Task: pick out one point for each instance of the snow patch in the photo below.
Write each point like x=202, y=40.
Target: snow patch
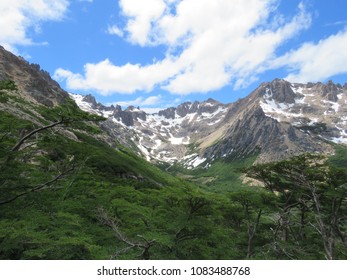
x=298, y=90
x=179, y=141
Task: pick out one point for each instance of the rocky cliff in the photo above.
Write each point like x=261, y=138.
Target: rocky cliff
x=33, y=83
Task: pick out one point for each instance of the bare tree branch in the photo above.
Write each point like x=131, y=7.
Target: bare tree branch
x=17, y=146
x=144, y=246
x=39, y=187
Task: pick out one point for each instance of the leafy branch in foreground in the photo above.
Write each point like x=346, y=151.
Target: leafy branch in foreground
x=41, y=186
x=21, y=141
x=25, y=166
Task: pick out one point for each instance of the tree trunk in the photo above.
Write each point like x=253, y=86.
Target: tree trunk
x=251, y=234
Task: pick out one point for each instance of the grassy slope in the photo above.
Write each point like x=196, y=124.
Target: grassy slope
x=222, y=176
x=340, y=157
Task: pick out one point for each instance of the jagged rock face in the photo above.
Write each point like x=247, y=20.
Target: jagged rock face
x=136, y=113
x=281, y=92
x=277, y=120
x=318, y=109
x=91, y=100
x=182, y=110
x=328, y=91
x=168, y=113
x=32, y=82
x=126, y=117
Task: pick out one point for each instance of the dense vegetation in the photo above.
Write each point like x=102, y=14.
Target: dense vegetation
x=65, y=194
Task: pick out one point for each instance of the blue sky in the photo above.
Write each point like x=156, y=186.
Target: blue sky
x=160, y=53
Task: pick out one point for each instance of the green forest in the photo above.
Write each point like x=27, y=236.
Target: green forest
x=65, y=193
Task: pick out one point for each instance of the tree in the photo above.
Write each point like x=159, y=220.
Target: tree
x=307, y=184
x=254, y=205
x=25, y=167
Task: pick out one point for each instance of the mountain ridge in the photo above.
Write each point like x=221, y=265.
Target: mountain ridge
x=279, y=119
x=34, y=84
x=71, y=190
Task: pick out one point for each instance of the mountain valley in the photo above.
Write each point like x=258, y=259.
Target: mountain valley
x=81, y=180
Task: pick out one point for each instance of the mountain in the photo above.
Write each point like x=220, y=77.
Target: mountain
x=277, y=120
x=71, y=186
x=31, y=100
x=34, y=84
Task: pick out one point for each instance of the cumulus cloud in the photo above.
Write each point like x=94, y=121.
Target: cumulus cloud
x=152, y=104
x=19, y=16
x=108, y=78
x=317, y=61
x=209, y=44
x=141, y=101
x=141, y=15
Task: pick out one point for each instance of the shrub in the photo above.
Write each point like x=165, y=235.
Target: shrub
x=8, y=84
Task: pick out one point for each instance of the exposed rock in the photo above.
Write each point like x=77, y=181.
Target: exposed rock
x=328, y=91
x=183, y=109
x=276, y=121
x=32, y=82
x=127, y=118
x=136, y=113
x=282, y=91
x=168, y=113
x=91, y=99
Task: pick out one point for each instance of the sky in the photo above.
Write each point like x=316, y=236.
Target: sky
x=160, y=53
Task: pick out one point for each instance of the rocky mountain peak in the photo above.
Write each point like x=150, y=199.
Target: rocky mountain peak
x=281, y=91
x=136, y=113
x=328, y=91
x=182, y=110
x=279, y=119
x=90, y=99
x=212, y=101
x=168, y=113
x=33, y=83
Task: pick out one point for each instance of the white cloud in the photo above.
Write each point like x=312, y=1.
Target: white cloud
x=18, y=16
x=209, y=44
x=151, y=110
x=115, y=30
x=340, y=22
x=141, y=15
x=151, y=104
x=108, y=78
x=316, y=62
x=141, y=101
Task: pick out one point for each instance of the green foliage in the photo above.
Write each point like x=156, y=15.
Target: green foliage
x=196, y=214
x=339, y=159
x=3, y=97
x=224, y=175
x=312, y=204
x=72, y=115
x=7, y=85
